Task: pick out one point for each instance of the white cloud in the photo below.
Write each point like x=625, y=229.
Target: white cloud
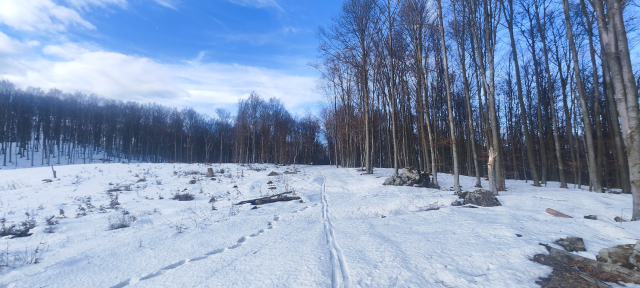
x=10, y=46
x=167, y=3
x=85, y=4
x=32, y=15
x=67, y=50
x=258, y=3
x=204, y=86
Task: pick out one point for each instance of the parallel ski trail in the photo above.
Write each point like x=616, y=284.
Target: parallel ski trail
x=339, y=266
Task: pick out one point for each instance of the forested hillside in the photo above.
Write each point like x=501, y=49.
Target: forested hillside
x=63, y=128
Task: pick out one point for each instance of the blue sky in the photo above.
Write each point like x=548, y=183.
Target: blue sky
x=201, y=54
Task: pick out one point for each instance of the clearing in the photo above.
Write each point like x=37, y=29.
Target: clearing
x=347, y=229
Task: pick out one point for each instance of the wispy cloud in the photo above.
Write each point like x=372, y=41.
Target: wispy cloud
x=172, y=4
x=10, y=46
x=42, y=15
x=86, y=4
x=194, y=83
x=258, y=3
x=261, y=38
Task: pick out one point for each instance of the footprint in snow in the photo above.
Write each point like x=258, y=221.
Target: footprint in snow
x=239, y=243
x=151, y=275
x=174, y=265
x=197, y=258
x=217, y=251
x=122, y=284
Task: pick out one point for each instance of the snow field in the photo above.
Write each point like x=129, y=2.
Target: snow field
x=350, y=231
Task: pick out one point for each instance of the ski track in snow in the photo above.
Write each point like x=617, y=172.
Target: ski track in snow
x=339, y=266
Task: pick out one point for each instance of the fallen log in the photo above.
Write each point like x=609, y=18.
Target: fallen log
x=557, y=214
x=270, y=199
x=570, y=259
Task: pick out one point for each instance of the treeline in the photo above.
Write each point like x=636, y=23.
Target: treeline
x=65, y=128
x=541, y=90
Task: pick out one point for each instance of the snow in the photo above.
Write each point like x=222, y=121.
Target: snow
x=351, y=231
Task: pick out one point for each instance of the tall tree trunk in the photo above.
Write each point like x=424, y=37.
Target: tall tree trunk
x=392, y=88
x=596, y=90
x=430, y=132
x=454, y=148
x=621, y=157
x=489, y=32
x=613, y=32
x=536, y=73
x=594, y=178
x=531, y=154
x=550, y=88
x=467, y=97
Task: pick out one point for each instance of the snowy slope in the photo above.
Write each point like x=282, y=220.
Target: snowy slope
x=350, y=231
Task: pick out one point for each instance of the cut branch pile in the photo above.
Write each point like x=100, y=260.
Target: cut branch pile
x=270, y=199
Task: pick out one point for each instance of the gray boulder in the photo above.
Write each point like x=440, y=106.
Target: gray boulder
x=572, y=244
x=408, y=177
x=480, y=197
x=627, y=256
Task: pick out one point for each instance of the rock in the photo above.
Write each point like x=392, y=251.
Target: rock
x=626, y=256
x=273, y=173
x=634, y=259
x=618, y=219
x=408, y=177
x=192, y=181
x=603, y=271
x=572, y=244
x=480, y=197
x=456, y=202
x=592, y=217
x=47, y=180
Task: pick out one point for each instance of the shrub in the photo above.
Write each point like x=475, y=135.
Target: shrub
x=51, y=220
x=186, y=196
x=123, y=221
x=81, y=211
x=113, y=202
x=17, y=231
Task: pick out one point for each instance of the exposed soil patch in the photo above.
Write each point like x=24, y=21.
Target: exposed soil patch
x=574, y=275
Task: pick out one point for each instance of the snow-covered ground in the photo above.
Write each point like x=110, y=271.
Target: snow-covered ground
x=350, y=231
